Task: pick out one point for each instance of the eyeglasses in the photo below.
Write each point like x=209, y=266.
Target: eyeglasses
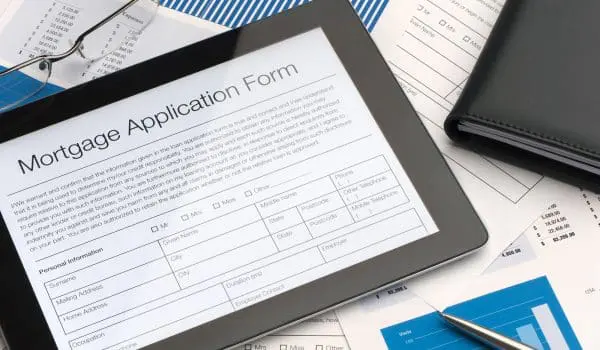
x=104, y=38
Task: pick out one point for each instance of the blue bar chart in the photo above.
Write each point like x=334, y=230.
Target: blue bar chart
x=528, y=312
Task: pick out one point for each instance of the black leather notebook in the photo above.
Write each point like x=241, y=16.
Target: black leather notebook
x=533, y=97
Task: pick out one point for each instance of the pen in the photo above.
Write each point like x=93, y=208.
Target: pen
x=484, y=335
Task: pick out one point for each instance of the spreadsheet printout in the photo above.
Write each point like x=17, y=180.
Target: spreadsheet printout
x=31, y=28
x=28, y=28
x=203, y=196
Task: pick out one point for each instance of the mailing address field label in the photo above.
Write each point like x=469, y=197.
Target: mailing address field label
x=158, y=213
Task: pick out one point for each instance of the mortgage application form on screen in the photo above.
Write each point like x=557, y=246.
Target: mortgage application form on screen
x=163, y=211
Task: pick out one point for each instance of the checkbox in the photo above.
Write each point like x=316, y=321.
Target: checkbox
x=154, y=229
x=248, y=193
x=282, y=347
x=443, y=23
x=185, y=217
x=319, y=347
x=248, y=347
x=216, y=205
x=466, y=38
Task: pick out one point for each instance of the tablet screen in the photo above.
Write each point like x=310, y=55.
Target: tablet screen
x=165, y=210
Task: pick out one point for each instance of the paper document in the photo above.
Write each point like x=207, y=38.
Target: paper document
x=30, y=28
x=543, y=290
x=320, y=333
x=432, y=60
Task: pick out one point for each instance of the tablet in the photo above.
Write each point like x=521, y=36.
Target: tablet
x=220, y=192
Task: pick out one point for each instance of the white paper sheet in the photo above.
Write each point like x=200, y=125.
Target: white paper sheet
x=320, y=333
x=26, y=31
x=432, y=60
x=560, y=246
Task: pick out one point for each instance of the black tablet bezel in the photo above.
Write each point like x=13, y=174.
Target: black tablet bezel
x=461, y=230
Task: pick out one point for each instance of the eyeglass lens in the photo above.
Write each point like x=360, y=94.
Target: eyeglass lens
x=19, y=86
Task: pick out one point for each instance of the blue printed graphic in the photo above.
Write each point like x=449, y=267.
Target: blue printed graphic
x=528, y=312
x=235, y=13
x=18, y=85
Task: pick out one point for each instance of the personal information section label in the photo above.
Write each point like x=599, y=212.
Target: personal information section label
x=161, y=212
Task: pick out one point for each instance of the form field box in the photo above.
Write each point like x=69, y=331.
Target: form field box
x=428, y=76
x=428, y=103
x=369, y=187
x=292, y=236
x=209, y=229
x=103, y=270
x=217, y=246
x=226, y=262
x=433, y=61
x=360, y=172
x=119, y=303
x=378, y=203
x=111, y=286
x=370, y=235
x=283, y=220
x=296, y=196
x=205, y=305
x=455, y=54
x=273, y=273
x=329, y=222
x=320, y=206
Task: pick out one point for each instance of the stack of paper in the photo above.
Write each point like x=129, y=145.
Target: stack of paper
x=431, y=53
x=543, y=290
x=432, y=61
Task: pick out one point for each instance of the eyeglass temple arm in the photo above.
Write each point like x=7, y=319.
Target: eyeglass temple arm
x=75, y=47
x=22, y=65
